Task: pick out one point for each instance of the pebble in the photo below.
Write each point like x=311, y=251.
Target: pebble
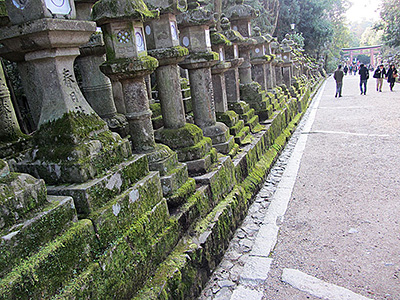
x=226, y=283
x=353, y=230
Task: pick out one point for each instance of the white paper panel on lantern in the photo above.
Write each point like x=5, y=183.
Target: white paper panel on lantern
x=59, y=7
x=208, y=40
x=235, y=51
x=174, y=31
x=140, y=44
x=221, y=55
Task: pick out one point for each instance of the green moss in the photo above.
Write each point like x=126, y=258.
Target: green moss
x=129, y=66
x=106, y=10
x=41, y=275
x=115, y=218
x=170, y=52
x=155, y=109
x=182, y=194
x=54, y=218
x=229, y=118
x=218, y=38
x=204, y=56
x=186, y=136
x=19, y=195
x=197, y=151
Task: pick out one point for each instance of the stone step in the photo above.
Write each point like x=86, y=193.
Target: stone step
x=20, y=194
x=248, y=115
x=234, y=130
x=182, y=194
x=95, y=193
x=43, y=274
x=126, y=265
x=112, y=220
x=163, y=159
x=230, y=118
x=252, y=123
x=240, y=137
x=186, y=270
x=174, y=180
x=195, y=152
x=25, y=239
x=180, y=275
x=202, y=165
x=225, y=147
x=220, y=180
x=240, y=107
x=198, y=205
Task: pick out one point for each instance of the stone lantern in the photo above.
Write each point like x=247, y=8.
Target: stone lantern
x=163, y=42
x=240, y=16
x=232, y=56
x=230, y=118
x=232, y=79
x=72, y=140
x=276, y=63
x=287, y=61
x=128, y=62
x=218, y=43
x=268, y=66
x=259, y=59
x=96, y=87
x=195, y=35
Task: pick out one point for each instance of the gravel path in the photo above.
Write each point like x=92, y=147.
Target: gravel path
x=339, y=178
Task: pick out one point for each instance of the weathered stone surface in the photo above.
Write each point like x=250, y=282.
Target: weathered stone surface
x=19, y=195
x=93, y=194
x=24, y=239
x=9, y=128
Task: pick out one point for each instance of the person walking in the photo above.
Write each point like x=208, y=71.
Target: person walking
x=345, y=69
x=379, y=74
x=391, y=76
x=364, y=75
x=338, y=76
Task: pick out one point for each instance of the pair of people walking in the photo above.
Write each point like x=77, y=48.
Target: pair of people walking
x=339, y=74
x=391, y=76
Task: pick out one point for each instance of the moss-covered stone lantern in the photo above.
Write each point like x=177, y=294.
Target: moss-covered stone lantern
x=259, y=59
x=195, y=35
x=72, y=140
x=252, y=92
x=128, y=62
x=96, y=87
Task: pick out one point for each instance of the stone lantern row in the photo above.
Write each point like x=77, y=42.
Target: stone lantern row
x=57, y=38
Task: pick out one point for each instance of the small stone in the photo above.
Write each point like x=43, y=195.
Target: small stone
x=215, y=289
x=223, y=294
x=226, y=283
x=353, y=230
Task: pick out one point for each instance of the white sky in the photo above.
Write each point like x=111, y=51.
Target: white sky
x=361, y=9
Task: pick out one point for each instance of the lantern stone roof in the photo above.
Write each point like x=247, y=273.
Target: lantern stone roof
x=105, y=11
x=241, y=11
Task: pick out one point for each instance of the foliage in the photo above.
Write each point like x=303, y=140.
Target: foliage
x=321, y=24
x=390, y=22
x=364, y=59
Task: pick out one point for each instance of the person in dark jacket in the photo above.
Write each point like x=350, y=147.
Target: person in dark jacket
x=379, y=74
x=338, y=76
x=391, y=76
x=364, y=75
x=345, y=69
